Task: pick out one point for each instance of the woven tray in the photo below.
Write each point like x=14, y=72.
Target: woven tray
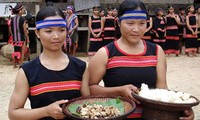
x=129, y=106
x=158, y=110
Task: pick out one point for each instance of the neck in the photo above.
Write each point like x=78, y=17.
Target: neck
x=52, y=55
x=130, y=44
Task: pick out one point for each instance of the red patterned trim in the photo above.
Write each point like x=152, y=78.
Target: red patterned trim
x=18, y=43
x=108, y=38
x=109, y=29
x=55, y=86
x=159, y=40
x=97, y=30
x=172, y=37
x=132, y=61
x=96, y=21
x=172, y=51
x=140, y=54
x=174, y=27
x=190, y=36
x=137, y=113
x=95, y=39
x=146, y=37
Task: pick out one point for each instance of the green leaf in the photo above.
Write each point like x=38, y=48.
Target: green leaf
x=117, y=103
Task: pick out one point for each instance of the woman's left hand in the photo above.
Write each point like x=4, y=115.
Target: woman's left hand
x=189, y=115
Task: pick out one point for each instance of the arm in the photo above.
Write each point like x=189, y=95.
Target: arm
x=102, y=26
x=177, y=19
x=97, y=69
x=26, y=31
x=161, y=69
x=90, y=27
x=85, y=91
x=150, y=25
x=77, y=24
x=188, y=25
x=16, y=110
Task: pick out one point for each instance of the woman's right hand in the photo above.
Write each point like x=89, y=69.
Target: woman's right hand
x=127, y=90
x=55, y=111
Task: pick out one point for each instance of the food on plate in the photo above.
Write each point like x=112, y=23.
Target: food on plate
x=95, y=111
x=165, y=95
x=97, y=108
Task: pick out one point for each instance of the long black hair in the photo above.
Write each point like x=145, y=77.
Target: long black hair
x=130, y=5
x=49, y=11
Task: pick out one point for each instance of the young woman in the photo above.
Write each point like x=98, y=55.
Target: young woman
x=191, y=33
x=50, y=79
x=172, y=32
x=109, y=27
x=19, y=34
x=117, y=30
x=181, y=27
x=95, y=25
x=72, y=26
x=198, y=26
x=159, y=29
x=126, y=63
x=147, y=35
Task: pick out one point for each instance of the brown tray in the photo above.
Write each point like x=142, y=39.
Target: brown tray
x=158, y=110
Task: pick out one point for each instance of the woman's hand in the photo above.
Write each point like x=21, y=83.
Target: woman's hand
x=189, y=115
x=127, y=90
x=55, y=111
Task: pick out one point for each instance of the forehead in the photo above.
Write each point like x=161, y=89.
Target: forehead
x=134, y=20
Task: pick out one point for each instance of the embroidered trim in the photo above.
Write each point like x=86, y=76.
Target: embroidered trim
x=134, y=14
x=50, y=23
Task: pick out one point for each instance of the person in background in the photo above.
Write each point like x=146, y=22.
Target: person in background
x=198, y=26
x=52, y=78
x=130, y=61
x=72, y=27
x=172, y=32
x=109, y=27
x=117, y=30
x=95, y=25
x=181, y=27
x=191, y=32
x=147, y=35
x=102, y=15
x=19, y=33
x=159, y=29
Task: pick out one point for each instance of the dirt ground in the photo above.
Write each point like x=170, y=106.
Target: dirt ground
x=183, y=74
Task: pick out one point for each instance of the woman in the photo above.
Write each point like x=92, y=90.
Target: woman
x=126, y=63
x=72, y=27
x=198, y=30
x=19, y=34
x=159, y=29
x=95, y=25
x=172, y=32
x=191, y=33
x=109, y=28
x=147, y=35
x=181, y=27
x=50, y=79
